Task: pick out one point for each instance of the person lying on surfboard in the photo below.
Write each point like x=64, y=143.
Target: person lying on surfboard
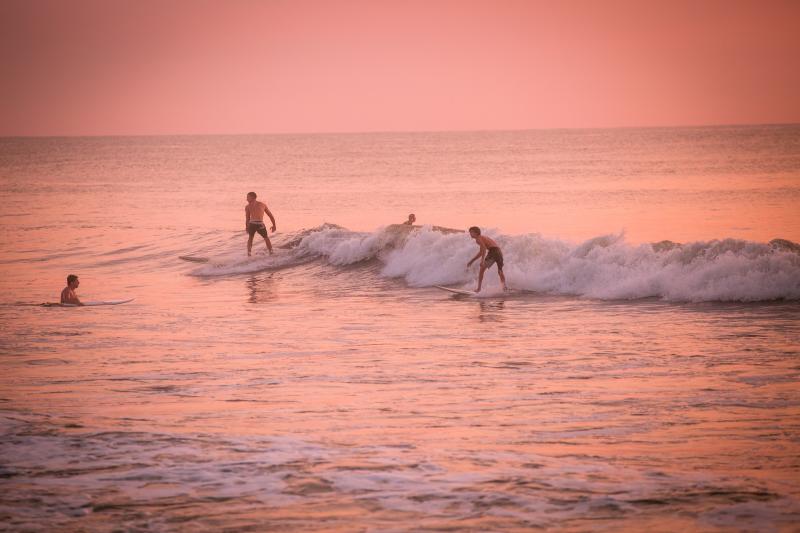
x=68, y=295
x=254, y=221
x=411, y=219
x=489, y=254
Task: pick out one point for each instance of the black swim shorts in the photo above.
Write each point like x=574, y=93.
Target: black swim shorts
x=254, y=227
x=494, y=255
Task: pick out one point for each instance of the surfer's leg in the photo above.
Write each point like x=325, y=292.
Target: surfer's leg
x=263, y=232
x=251, y=232
x=499, y=260
x=480, y=278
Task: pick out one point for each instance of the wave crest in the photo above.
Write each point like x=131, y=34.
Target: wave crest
x=605, y=267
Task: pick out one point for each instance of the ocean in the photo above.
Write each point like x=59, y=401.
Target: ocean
x=643, y=373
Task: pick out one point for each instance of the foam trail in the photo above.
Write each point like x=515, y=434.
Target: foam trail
x=247, y=265
x=229, y=258
x=337, y=245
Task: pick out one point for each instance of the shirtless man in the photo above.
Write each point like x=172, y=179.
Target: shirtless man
x=254, y=221
x=492, y=253
x=411, y=219
x=68, y=295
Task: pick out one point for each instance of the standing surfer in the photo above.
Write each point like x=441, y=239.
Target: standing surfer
x=254, y=221
x=489, y=254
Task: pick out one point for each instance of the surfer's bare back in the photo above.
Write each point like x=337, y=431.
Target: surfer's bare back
x=68, y=295
x=489, y=254
x=254, y=213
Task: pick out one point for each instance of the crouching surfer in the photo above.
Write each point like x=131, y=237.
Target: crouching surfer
x=489, y=254
x=254, y=213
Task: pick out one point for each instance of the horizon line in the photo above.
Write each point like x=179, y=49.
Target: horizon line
x=365, y=132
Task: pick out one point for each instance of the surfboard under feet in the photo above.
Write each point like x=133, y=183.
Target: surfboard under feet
x=456, y=291
x=487, y=294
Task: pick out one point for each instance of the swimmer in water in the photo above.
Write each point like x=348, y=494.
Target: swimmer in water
x=68, y=295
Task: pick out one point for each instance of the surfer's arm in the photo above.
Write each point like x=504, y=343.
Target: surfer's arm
x=272, y=218
x=73, y=299
x=479, y=255
x=246, y=217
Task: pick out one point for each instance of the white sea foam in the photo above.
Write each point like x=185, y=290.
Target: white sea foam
x=610, y=268
x=605, y=267
x=343, y=247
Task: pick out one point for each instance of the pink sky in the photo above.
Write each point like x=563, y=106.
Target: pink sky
x=197, y=66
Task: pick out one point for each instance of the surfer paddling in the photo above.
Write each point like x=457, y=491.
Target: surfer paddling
x=254, y=213
x=489, y=254
x=68, y=295
x=411, y=219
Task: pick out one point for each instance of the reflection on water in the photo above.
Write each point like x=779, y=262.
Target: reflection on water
x=260, y=289
x=491, y=311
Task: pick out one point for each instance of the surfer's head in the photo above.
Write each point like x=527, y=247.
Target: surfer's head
x=474, y=231
x=72, y=281
x=251, y=196
x=412, y=218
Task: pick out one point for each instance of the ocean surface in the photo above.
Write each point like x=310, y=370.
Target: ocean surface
x=643, y=373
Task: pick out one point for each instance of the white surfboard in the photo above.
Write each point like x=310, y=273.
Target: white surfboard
x=96, y=303
x=488, y=294
x=221, y=262
x=456, y=291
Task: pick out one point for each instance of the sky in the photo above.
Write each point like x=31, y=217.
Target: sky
x=130, y=67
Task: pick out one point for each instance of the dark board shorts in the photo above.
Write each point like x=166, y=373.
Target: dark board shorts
x=256, y=227
x=494, y=255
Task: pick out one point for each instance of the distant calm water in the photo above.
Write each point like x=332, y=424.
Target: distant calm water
x=644, y=375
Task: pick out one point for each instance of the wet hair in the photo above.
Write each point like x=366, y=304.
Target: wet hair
x=475, y=229
x=251, y=193
x=71, y=278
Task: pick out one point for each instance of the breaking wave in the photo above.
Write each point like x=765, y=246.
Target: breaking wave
x=604, y=267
